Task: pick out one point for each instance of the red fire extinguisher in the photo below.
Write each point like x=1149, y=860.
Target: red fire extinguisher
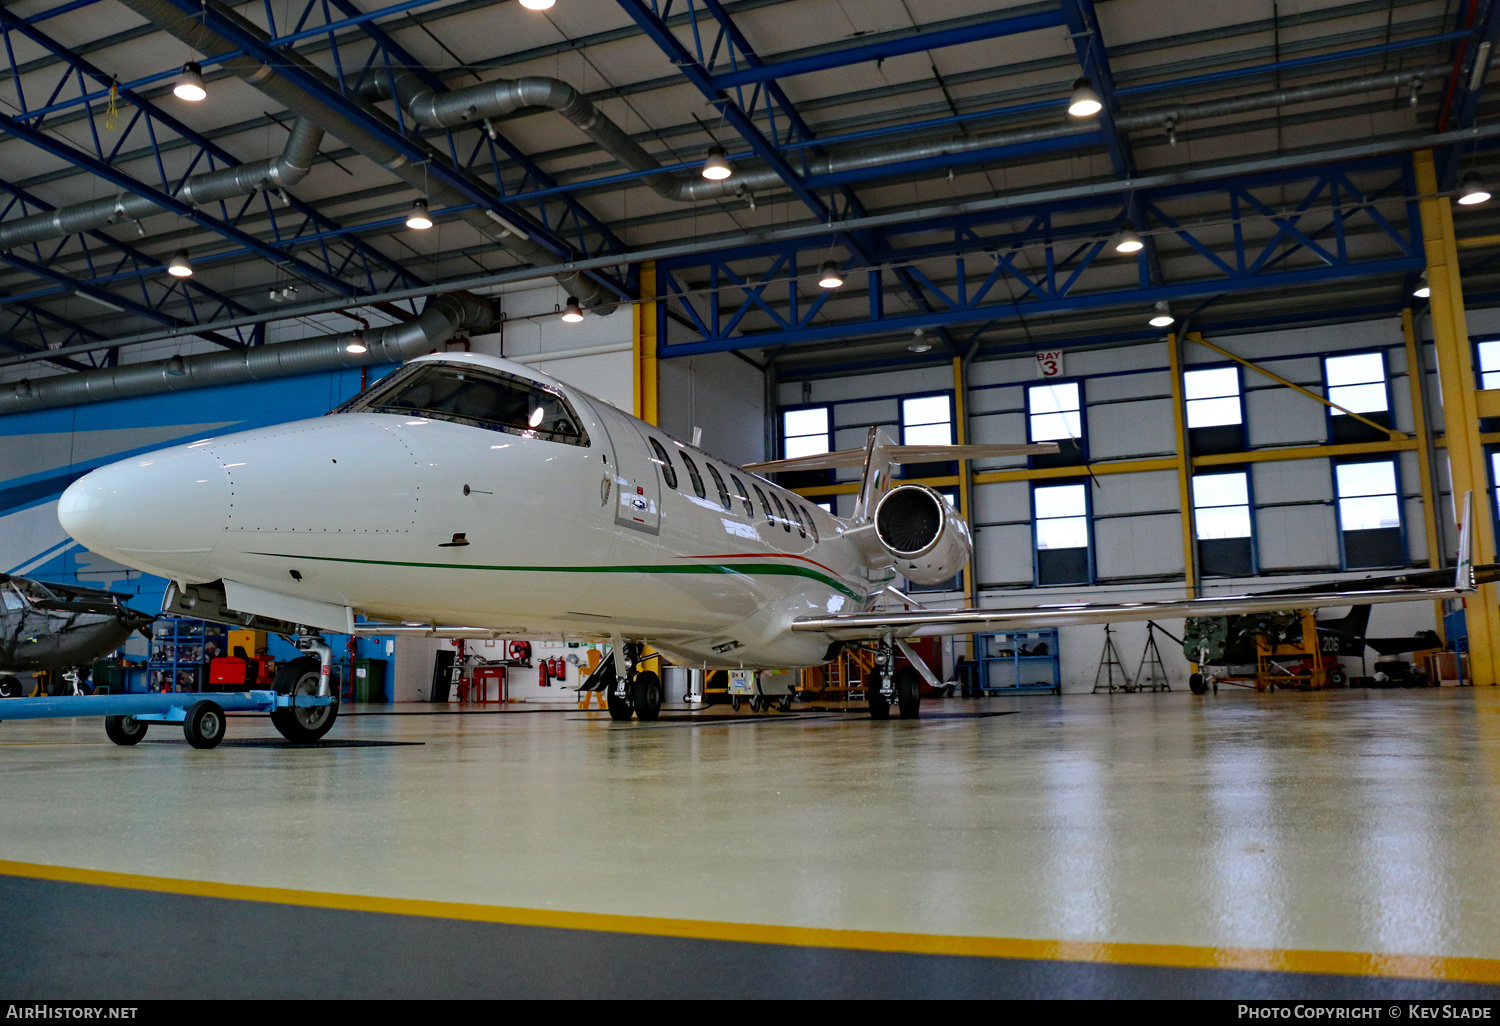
x=543, y=674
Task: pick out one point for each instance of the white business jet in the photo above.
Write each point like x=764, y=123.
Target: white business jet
x=469, y=496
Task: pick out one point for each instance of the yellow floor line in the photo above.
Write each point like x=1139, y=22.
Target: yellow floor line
x=1349, y=963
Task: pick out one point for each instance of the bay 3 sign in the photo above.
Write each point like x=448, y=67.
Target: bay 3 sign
x=1049, y=364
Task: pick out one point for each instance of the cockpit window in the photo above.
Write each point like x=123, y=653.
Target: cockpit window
x=466, y=394
x=12, y=598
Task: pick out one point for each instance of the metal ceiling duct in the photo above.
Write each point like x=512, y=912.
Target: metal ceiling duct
x=281, y=172
x=477, y=103
x=443, y=317
x=192, y=31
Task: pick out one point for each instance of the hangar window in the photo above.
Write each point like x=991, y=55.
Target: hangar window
x=661, y=459
x=1054, y=413
x=1358, y=384
x=713, y=472
x=480, y=397
x=1489, y=364
x=693, y=475
x=805, y=432
x=1212, y=397
x=927, y=420
x=739, y=489
x=764, y=505
x=1062, y=533
x=1369, y=509
x=1222, y=523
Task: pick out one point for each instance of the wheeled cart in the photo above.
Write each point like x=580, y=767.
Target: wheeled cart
x=127, y=716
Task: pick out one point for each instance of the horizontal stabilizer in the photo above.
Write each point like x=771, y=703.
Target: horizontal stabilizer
x=902, y=454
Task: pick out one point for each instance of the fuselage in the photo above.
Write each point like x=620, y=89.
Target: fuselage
x=437, y=498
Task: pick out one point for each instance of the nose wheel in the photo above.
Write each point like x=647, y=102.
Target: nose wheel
x=302, y=725
x=639, y=694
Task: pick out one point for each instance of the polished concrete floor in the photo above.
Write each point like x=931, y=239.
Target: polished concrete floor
x=1231, y=845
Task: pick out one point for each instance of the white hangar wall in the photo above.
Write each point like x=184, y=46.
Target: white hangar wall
x=1135, y=517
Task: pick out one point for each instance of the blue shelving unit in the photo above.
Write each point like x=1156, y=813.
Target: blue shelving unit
x=1018, y=663
x=180, y=651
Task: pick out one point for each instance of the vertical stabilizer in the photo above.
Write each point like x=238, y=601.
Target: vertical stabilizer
x=879, y=473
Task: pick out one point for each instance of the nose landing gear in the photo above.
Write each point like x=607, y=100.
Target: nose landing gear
x=637, y=692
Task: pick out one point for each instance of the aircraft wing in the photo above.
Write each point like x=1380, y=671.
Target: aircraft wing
x=1438, y=584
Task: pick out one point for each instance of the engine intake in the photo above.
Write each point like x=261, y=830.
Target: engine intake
x=927, y=538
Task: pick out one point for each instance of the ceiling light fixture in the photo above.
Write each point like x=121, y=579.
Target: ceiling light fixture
x=537, y=5
x=1471, y=190
x=1423, y=290
x=357, y=343
x=1084, y=103
x=178, y=266
x=176, y=368
x=572, y=313
x=190, y=83
x=418, y=219
x=919, y=346
x=1163, y=317
x=716, y=166
x=828, y=275
x=1129, y=242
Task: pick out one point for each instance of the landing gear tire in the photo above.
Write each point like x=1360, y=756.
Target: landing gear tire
x=880, y=708
x=909, y=692
x=302, y=726
x=1197, y=685
x=734, y=702
x=124, y=730
x=619, y=706
x=10, y=687
x=645, y=692
x=204, y=726
x=785, y=704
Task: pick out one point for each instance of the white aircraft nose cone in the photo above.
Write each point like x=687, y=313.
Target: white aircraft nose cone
x=162, y=512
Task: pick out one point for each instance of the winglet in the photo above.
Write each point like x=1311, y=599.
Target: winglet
x=1463, y=578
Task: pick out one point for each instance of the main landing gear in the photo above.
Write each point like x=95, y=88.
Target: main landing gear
x=889, y=686
x=638, y=693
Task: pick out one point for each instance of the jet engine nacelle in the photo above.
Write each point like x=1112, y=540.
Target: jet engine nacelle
x=927, y=538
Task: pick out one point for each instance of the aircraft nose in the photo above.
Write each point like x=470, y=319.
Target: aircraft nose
x=161, y=512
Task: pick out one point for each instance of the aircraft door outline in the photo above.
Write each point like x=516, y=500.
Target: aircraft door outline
x=637, y=477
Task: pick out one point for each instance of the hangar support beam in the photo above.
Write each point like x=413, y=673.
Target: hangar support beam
x=1466, y=470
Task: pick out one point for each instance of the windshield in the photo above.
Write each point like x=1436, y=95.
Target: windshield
x=472, y=395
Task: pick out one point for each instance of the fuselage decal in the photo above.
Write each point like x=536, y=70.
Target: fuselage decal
x=746, y=570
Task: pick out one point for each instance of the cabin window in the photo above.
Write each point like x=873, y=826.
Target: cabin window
x=812, y=525
x=797, y=516
x=12, y=599
x=477, y=396
x=693, y=475
x=739, y=489
x=786, y=522
x=713, y=472
x=661, y=459
x=765, y=505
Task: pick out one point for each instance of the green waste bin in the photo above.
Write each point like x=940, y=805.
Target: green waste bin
x=369, y=680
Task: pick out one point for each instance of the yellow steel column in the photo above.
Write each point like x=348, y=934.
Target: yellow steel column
x=1184, y=467
x=961, y=427
x=643, y=322
x=1415, y=371
x=1466, y=470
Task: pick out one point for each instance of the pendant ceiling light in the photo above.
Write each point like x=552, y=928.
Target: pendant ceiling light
x=190, y=83
x=716, y=166
x=1084, y=103
x=1162, y=318
x=828, y=275
x=1471, y=190
x=572, y=313
x=418, y=218
x=178, y=266
x=537, y=5
x=357, y=343
x=1129, y=242
x=1423, y=290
